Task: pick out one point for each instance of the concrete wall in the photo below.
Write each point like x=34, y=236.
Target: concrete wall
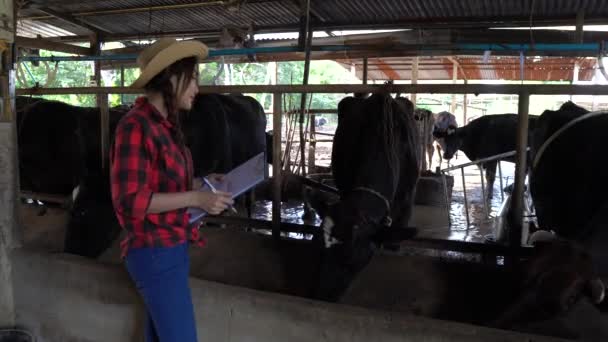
x=8, y=236
x=66, y=298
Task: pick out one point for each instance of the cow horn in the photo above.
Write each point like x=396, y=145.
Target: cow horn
x=598, y=290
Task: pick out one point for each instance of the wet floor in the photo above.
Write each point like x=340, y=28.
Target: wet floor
x=478, y=229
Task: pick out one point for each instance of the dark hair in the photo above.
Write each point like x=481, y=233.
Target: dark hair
x=184, y=70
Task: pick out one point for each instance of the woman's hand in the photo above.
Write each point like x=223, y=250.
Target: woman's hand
x=213, y=203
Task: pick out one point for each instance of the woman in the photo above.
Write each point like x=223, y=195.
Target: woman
x=151, y=180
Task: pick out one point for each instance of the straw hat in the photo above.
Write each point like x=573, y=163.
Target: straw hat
x=164, y=52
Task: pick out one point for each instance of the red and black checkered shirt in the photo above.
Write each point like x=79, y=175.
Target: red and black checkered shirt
x=146, y=159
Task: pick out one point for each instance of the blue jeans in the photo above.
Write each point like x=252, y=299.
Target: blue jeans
x=161, y=278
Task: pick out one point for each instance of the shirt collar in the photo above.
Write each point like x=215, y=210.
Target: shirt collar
x=143, y=102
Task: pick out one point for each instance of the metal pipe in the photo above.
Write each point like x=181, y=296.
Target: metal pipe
x=516, y=213
x=276, y=165
x=502, y=195
x=595, y=48
x=480, y=161
x=365, y=68
x=305, y=82
x=483, y=192
x=446, y=199
x=540, y=89
x=466, y=203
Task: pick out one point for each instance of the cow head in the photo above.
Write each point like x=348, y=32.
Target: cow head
x=553, y=280
x=451, y=140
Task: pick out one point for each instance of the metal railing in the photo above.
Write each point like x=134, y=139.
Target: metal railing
x=477, y=163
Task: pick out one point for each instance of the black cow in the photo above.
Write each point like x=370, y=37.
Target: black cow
x=485, y=137
x=375, y=167
x=58, y=144
x=568, y=182
x=222, y=132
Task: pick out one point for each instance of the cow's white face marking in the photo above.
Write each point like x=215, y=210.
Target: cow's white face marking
x=328, y=225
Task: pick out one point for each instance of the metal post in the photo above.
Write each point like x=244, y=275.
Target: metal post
x=276, y=165
x=104, y=130
x=309, y=32
x=364, y=70
x=122, y=83
x=502, y=195
x=446, y=199
x=466, y=203
x=483, y=192
x=313, y=143
x=102, y=104
x=517, y=205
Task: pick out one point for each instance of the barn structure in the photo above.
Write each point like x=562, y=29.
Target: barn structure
x=59, y=297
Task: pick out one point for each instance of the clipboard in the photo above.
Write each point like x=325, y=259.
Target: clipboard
x=237, y=181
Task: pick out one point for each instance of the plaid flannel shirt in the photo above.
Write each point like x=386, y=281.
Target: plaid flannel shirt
x=146, y=159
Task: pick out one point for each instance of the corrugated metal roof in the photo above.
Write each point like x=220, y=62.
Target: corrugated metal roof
x=32, y=29
x=497, y=68
x=285, y=13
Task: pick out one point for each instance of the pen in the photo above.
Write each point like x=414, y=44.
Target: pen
x=206, y=181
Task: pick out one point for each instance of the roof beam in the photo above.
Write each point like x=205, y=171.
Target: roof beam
x=45, y=44
x=455, y=35
x=74, y=21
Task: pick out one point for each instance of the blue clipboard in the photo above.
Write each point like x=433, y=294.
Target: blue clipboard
x=239, y=180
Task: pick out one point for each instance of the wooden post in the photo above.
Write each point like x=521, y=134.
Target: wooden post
x=276, y=165
x=454, y=80
x=313, y=143
x=9, y=170
x=102, y=104
x=122, y=83
x=464, y=107
x=414, y=77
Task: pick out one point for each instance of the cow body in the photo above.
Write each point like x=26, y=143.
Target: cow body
x=375, y=167
x=222, y=132
x=567, y=182
x=485, y=137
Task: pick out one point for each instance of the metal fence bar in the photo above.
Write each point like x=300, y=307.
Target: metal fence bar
x=483, y=192
x=502, y=194
x=540, y=89
x=446, y=198
x=466, y=203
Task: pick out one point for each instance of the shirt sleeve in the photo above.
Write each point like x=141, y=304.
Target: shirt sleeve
x=129, y=171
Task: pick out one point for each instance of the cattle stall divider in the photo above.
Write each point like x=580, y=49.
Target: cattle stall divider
x=461, y=167
x=523, y=90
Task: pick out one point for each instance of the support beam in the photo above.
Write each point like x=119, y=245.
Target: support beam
x=9, y=174
x=45, y=44
x=517, y=205
x=365, y=68
x=454, y=81
x=276, y=164
x=538, y=89
x=580, y=21
x=68, y=18
x=414, y=80
x=387, y=70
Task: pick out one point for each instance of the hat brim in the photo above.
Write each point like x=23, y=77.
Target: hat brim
x=168, y=56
